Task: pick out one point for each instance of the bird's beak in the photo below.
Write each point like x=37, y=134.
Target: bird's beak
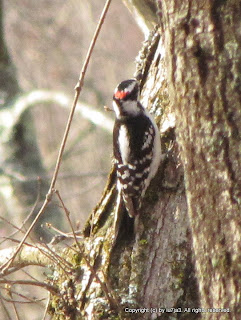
x=108, y=108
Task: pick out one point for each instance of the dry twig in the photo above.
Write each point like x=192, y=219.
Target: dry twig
x=44, y=285
x=113, y=301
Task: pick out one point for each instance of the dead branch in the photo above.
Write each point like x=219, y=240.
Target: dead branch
x=28, y=255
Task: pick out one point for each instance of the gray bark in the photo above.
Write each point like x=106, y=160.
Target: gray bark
x=202, y=42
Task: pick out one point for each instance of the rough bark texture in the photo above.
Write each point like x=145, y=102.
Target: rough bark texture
x=203, y=53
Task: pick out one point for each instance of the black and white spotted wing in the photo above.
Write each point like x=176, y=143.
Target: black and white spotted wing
x=133, y=151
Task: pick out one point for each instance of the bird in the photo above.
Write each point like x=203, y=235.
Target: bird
x=136, y=147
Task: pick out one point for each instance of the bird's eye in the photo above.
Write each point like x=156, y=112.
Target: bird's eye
x=121, y=94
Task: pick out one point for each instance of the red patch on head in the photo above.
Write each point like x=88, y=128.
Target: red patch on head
x=121, y=94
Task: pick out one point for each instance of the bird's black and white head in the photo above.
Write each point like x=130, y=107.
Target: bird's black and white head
x=125, y=99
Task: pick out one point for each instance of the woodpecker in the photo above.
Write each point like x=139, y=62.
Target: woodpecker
x=136, y=146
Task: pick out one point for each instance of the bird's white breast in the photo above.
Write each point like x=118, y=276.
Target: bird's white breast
x=124, y=145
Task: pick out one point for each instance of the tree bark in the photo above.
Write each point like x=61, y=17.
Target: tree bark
x=202, y=43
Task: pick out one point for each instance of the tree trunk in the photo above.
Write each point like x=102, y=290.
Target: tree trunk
x=202, y=42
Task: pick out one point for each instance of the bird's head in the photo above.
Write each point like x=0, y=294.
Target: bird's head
x=125, y=99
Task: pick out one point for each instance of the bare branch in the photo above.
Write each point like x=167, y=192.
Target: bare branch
x=46, y=308
x=13, y=303
x=22, y=296
x=28, y=255
x=44, y=285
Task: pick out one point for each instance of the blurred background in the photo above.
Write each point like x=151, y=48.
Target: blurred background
x=48, y=41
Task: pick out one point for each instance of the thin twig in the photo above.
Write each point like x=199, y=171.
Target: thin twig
x=46, y=308
x=60, y=261
x=5, y=308
x=36, y=97
x=66, y=134
x=68, y=218
x=44, y=285
x=13, y=303
x=22, y=296
x=64, y=235
x=20, y=229
x=37, y=301
x=112, y=300
x=70, y=175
